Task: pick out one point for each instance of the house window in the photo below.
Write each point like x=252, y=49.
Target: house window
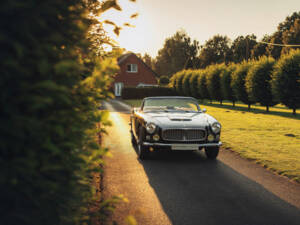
x=132, y=68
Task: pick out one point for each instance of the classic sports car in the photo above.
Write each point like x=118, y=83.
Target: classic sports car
x=173, y=123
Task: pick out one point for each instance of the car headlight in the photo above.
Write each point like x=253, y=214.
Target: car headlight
x=150, y=127
x=216, y=127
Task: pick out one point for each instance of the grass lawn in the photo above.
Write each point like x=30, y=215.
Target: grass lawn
x=271, y=139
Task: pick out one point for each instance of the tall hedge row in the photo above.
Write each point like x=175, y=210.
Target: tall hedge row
x=50, y=94
x=263, y=81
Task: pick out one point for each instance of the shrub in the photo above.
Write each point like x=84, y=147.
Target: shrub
x=139, y=93
x=238, y=83
x=258, y=84
x=186, y=83
x=194, y=83
x=164, y=80
x=226, y=89
x=202, y=88
x=213, y=82
x=49, y=107
x=286, y=80
x=179, y=81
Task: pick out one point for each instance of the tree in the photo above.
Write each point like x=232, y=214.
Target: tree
x=226, y=89
x=213, y=82
x=285, y=80
x=215, y=50
x=186, y=83
x=260, y=49
x=242, y=46
x=277, y=37
x=238, y=83
x=291, y=36
x=179, y=81
x=202, y=86
x=194, y=83
x=258, y=83
x=148, y=60
x=179, y=52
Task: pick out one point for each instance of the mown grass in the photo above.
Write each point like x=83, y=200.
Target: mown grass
x=271, y=139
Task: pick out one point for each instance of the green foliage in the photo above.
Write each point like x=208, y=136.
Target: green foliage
x=51, y=86
x=260, y=48
x=179, y=81
x=179, y=52
x=215, y=50
x=194, y=83
x=226, y=77
x=242, y=46
x=238, y=83
x=140, y=93
x=258, y=84
x=202, y=86
x=286, y=80
x=292, y=36
x=213, y=82
x=186, y=83
x=164, y=80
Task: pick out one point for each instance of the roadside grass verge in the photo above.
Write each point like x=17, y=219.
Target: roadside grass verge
x=270, y=139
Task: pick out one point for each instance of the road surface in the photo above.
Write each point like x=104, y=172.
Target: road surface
x=184, y=188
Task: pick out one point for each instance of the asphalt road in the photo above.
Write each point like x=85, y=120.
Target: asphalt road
x=184, y=188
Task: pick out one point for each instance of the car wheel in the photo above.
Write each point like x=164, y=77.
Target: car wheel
x=211, y=152
x=143, y=151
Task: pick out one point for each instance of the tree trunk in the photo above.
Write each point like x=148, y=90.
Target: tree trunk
x=267, y=108
x=233, y=103
x=249, y=106
x=294, y=111
x=210, y=101
x=221, y=102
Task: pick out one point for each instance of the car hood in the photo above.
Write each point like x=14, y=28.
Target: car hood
x=180, y=119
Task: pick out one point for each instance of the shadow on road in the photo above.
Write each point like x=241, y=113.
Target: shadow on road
x=194, y=190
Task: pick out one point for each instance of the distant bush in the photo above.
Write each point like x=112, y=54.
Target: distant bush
x=194, y=83
x=164, y=80
x=202, y=87
x=286, y=80
x=139, y=93
x=186, y=83
x=258, y=83
x=213, y=82
x=238, y=83
x=179, y=81
x=226, y=89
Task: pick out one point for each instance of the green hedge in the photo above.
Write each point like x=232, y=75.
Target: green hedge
x=138, y=93
x=49, y=108
x=264, y=81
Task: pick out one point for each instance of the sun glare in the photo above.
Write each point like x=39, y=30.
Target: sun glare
x=133, y=38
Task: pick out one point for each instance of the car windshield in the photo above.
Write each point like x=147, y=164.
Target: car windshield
x=170, y=104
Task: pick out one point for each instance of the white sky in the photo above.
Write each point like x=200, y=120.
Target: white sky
x=201, y=19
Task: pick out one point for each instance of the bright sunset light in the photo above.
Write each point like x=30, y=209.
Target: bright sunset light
x=201, y=19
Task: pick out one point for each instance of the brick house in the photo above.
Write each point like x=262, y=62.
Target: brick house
x=133, y=73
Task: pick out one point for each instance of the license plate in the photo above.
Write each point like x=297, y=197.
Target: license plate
x=184, y=147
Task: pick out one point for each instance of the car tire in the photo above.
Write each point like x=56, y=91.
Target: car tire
x=211, y=152
x=143, y=151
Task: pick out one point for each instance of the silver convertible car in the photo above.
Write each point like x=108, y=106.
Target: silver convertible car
x=176, y=124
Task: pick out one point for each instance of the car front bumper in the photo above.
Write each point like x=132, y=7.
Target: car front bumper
x=186, y=146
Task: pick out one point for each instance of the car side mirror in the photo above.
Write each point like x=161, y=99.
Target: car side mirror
x=204, y=110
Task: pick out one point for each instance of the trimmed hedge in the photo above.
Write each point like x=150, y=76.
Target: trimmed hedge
x=138, y=93
x=248, y=82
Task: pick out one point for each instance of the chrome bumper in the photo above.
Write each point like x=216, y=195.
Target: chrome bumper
x=170, y=145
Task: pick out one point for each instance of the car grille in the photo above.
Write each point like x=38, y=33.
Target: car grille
x=184, y=134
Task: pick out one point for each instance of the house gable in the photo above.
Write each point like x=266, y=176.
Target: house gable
x=143, y=74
